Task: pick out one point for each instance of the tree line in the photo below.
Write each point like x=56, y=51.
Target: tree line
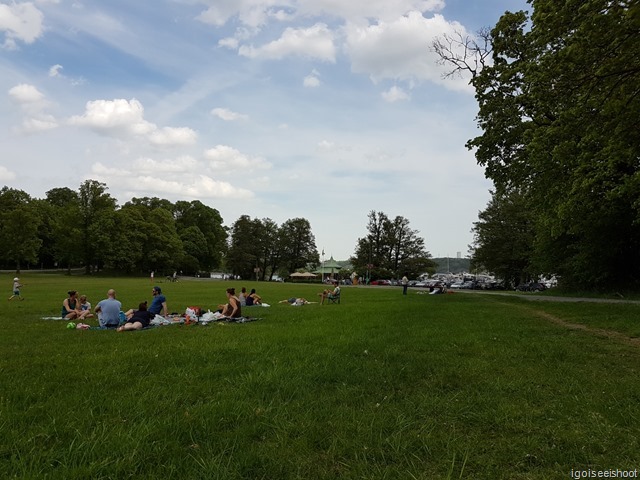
x=86, y=228
x=559, y=102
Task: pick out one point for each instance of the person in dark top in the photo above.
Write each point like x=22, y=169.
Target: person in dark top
x=253, y=298
x=139, y=320
x=233, y=309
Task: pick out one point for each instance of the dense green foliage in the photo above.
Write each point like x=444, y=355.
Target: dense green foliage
x=87, y=229
x=390, y=249
x=380, y=386
x=559, y=107
x=260, y=249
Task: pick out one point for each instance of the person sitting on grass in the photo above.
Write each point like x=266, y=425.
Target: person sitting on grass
x=71, y=307
x=296, y=301
x=330, y=294
x=232, y=309
x=243, y=297
x=253, y=298
x=108, y=310
x=158, y=304
x=139, y=320
x=85, y=306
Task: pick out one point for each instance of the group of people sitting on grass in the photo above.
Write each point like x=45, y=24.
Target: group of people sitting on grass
x=109, y=310
x=110, y=314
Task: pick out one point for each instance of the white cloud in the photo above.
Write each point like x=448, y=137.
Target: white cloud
x=395, y=94
x=229, y=42
x=256, y=13
x=39, y=124
x=312, y=79
x=228, y=159
x=184, y=164
x=25, y=93
x=170, y=136
x=20, y=21
x=55, y=70
x=228, y=115
x=400, y=50
x=122, y=117
x=6, y=175
x=114, y=115
x=313, y=42
x=165, y=182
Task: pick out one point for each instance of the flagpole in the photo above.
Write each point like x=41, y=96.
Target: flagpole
x=323, y=266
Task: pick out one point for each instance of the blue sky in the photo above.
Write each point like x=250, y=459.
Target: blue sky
x=322, y=109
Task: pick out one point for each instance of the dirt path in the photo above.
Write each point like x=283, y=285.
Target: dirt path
x=600, y=332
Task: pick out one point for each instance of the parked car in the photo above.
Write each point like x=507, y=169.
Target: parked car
x=381, y=282
x=531, y=287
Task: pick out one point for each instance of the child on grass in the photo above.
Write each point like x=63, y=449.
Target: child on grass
x=16, y=289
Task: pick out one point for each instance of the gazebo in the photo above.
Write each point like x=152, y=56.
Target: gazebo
x=329, y=268
x=302, y=275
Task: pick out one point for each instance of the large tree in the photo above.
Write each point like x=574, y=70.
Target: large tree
x=559, y=103
x=298, y=245
x=94, y=205
x=391, y=249
x=207, y=220
x=19, y=223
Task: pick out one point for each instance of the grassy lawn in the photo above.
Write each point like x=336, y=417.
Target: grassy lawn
x=380, y=386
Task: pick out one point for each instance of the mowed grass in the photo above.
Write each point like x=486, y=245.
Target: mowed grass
x=380, y=386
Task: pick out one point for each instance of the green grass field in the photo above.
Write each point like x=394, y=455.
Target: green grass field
x=379, y=387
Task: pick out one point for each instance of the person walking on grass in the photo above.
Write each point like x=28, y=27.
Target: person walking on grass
x=16, y=289
x=405, y=284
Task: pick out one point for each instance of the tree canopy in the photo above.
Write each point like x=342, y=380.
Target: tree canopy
x=390, y=249
x=558, y=110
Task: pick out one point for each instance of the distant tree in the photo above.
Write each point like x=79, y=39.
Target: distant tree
x=209, y=221
x=504, y=237
x=64, y=220
x=298, y=244
x=243, y=256
x=124, y=250
x=391, y=248
x=271, y=244
x=94, y=205
x=19, y=224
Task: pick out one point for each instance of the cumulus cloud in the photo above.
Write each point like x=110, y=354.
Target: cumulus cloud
x=228, y=159
x=25, y=93
x=312, y=79
x=394, y=94
x=166, y=181
x=400, y=50
x=20, y=21
x=314, y=42
x=33, y=104
x=228, y=115
x=40, y=123
x=170, y=136
x=122, y=117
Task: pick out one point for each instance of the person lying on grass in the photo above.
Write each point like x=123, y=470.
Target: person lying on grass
x=296, y=301
x=232, y=309
x=139, y=320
